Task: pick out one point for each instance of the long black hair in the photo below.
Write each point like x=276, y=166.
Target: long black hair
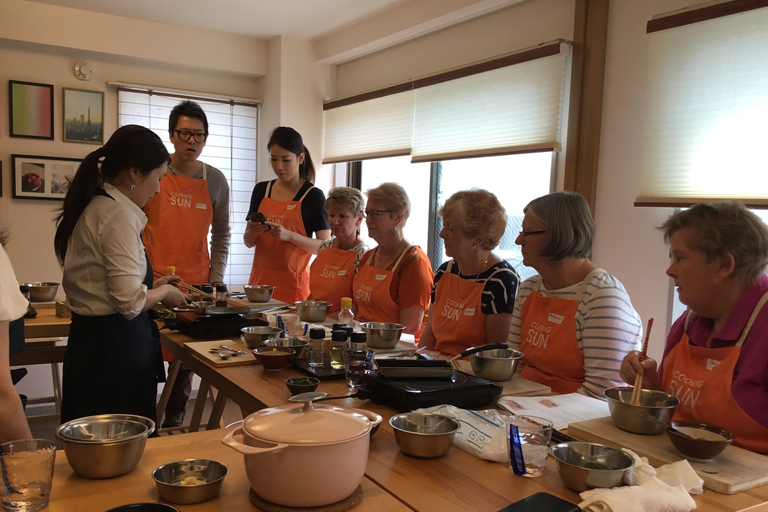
x=130, y=147
x=290, y=140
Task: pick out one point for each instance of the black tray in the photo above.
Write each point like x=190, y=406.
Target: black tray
x=462, y=390
x=414, y=368
x=214, y=327
x=320, y=372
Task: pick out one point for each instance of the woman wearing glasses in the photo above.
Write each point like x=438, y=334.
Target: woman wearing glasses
x=394, y=280
x=332, y=272
x=573, y=322
x=292, y=210
x=475, y=291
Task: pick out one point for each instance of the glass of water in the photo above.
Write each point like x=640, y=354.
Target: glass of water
x=529, y=438
x=27, y=467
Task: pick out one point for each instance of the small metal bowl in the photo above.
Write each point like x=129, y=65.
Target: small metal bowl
x=312, y=310
x=300, y=345
x=496, y=365
x=104, y=446
x=258, y=292
x=629, y=417
x=42, y=292
x=424, y=435
x=144, y=507
x=583, y=465
x=189, y=481
x=699, y=449
x=382, y=334
x=274, y=358
x=257, y=336
x=296, y=385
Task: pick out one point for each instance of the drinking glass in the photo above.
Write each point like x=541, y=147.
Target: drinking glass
x=27, y=467
x=356, y=363
x=528, y=444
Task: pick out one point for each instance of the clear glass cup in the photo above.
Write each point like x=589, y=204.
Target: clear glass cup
x=356, y=363
x=27, y=467
x=529, y=438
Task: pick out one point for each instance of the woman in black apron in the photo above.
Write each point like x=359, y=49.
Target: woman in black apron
x=112, y=363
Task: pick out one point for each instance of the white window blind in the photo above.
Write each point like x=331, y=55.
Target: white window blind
x=509, y=105
x=230, y=147
x=707, y=102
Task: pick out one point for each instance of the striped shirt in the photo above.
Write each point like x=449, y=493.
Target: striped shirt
x=499, y=290
x=607, y=327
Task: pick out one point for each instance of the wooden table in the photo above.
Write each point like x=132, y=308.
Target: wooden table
x=457, y=481
x=46, y=324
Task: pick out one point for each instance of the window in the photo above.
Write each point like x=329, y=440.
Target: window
x=707, y=102
x=231, y=148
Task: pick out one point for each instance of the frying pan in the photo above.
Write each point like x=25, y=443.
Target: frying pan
x=427, y=368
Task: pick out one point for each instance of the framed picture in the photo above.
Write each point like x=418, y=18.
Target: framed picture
x=42, y=177
x=83, y=116
x=31, y=110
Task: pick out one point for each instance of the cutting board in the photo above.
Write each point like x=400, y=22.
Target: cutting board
x=516, y=386
x=201, y=348
x=732, y=471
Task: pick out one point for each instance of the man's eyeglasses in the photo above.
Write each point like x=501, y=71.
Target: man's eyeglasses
x=531, y=233
x=184, y=136
x=375, y=214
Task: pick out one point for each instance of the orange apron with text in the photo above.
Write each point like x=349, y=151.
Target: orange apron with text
x=371, y=288
x=176, y=233
x=331, y=276
x=457, y=322
x=548, y=340
x=701, y=378
x=278, y=263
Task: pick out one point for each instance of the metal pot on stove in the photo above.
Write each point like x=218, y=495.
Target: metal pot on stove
x=323, y=451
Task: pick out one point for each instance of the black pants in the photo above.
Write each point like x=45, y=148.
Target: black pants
x=177, y=400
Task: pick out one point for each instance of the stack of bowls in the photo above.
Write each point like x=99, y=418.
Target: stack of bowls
x=382, y=334
x=106, y=445
x=632, y=418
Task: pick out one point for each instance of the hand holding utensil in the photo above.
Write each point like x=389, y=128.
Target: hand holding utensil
x=635, y=400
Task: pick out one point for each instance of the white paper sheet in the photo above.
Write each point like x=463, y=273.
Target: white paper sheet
x=559, y=409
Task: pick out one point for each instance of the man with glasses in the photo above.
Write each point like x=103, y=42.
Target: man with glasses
x=193, y=199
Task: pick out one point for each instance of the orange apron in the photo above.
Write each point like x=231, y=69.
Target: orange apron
x=331, y=276
x=702, y=377
x=278, y=263
x=371, y=288
x=458, y=322
x=548, y=340
x=176, y=233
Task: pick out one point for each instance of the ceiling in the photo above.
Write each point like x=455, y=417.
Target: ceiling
x=255, y=18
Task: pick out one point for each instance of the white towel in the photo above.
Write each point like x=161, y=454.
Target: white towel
x=653, y=495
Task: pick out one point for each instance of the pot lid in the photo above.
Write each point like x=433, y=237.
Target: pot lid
x=296, y=424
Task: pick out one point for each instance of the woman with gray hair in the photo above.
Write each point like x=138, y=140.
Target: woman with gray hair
x=332, y=272
x=573, y=322
x=395, y=278
x=716, y=357
x=475, y=291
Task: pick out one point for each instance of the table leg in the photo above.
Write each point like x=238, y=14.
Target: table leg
x=197, y=413
x=173, y=372
x=56, y=386
x=214, y=421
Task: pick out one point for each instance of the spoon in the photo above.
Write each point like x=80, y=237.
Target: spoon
x=233, y=351
x=666, y=425
x=220, y=354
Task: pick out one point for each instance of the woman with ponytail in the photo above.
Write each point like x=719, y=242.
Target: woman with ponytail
x=293, y=210
x=112, y=363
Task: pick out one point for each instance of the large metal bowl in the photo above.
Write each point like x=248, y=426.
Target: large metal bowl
x=422, y=434
x=106, y=445
x=312, y=310
x=583, y=466
x=496, y=365
x=382, y=334
x=630, y=417
x=256, y=336
x=42, y=292
x=189, y=481
x=258, y=292
x=300, y=345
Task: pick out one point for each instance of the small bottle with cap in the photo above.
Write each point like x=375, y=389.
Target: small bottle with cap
x=338, y=345
x=346, y=316
x=170, y=270
x=316, y=347
x=358, y=341
x=221, y=295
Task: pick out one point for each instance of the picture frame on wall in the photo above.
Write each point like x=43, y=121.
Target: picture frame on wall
x=30, y=107
x=42, y=177
x=83, y=117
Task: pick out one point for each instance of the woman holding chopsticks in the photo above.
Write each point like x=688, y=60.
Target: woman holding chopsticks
x=573, y=322
x=716, y=356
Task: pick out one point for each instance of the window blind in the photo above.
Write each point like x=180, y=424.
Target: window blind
x=230, y=147
x=707, y=101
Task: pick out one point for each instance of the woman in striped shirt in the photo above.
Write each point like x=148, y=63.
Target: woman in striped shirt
x=573, y=322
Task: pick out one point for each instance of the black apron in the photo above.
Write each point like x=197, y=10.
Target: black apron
x=112, y=365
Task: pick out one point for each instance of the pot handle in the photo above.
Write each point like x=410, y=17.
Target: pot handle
x=229, y=440
x=375, y=418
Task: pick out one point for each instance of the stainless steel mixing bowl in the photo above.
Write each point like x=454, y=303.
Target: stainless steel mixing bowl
x=630, y=417
x=42, y=292
x=312, y=310
x=583, y=465
x=422, y=434
x=189, y=481
x=382, y=334
x=257, y=335
x=258, y=292
x=496, y=365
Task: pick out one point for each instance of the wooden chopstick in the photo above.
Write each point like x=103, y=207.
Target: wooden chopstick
x=635, y=400
x=191, y=288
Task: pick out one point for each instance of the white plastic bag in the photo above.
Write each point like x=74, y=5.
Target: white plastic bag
x=481, y=433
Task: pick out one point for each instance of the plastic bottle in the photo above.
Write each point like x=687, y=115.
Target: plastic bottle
x=316, y=347
x=338, y=345
x=346, y=316
x=221, y=295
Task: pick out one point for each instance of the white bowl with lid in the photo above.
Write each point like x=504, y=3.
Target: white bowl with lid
x=321, y=450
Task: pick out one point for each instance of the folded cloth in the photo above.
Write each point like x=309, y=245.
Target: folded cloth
x=652, y=495
x=681, y=472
